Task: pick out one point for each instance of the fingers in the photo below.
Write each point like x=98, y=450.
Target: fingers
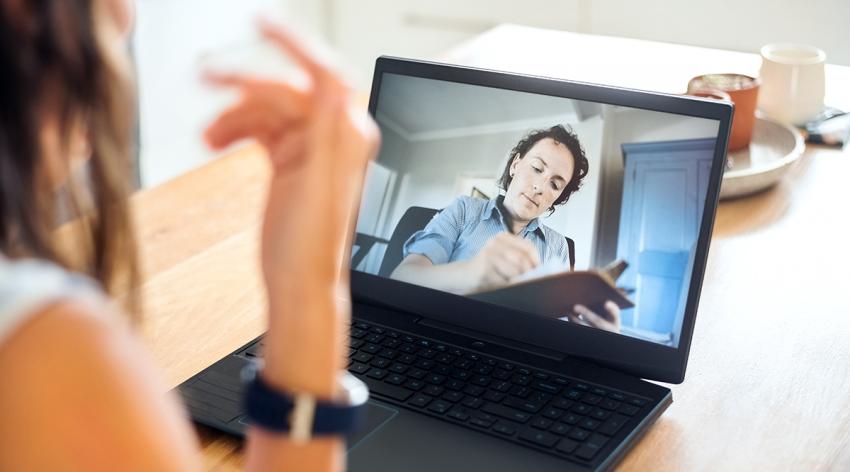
x=253, y=119
x=505, y=268
x=285, y=95
x=266, y=108
x=525, y=248
x=586, y=317
x=591, y=318
x=289, y=101
x=233, y=125
x=516, y=259
x=510, y=263
x=304, y=56
x=586, y=314
x=518, y=249
x=574, y=318
x=368, y=131
x=269, y=107
x=505, y=257
x=613, y=312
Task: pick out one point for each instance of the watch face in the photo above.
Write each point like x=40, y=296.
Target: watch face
x=354, y=391
x=249, y=372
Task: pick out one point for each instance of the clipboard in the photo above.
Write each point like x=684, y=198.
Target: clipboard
x=554, y=295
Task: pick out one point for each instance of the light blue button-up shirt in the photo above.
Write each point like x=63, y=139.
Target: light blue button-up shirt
x=461, y=229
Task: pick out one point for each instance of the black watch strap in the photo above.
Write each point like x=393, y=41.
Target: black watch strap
x=274, y=410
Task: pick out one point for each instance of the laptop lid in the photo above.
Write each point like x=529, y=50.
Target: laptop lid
x=583, y=175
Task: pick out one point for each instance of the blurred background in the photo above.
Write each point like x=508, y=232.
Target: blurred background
x=175, y=39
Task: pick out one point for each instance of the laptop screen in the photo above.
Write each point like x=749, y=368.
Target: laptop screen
x=577, y=211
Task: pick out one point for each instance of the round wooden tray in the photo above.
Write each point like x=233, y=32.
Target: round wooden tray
x=772, y=151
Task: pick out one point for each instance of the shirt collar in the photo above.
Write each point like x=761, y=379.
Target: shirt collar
x=494, y=210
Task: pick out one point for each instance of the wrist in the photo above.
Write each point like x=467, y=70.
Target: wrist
x=306, y=343
x=477, y=279
x=302, y=414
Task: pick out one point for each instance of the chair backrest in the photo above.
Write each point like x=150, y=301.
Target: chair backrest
x=414, y=219
x=571, y=250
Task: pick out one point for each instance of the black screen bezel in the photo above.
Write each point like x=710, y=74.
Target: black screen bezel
x=634, y=356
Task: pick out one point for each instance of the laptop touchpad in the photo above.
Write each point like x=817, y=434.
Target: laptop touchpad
x=376, y=416
x=402, y=440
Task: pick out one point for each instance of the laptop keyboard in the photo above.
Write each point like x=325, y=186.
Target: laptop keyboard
x=562, y=416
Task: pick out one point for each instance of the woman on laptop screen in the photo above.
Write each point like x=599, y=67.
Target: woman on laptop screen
x=476, y=244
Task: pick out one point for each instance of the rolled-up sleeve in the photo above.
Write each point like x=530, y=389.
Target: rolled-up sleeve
x=437, y=240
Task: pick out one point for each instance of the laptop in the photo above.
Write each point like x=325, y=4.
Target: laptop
x=461, y=381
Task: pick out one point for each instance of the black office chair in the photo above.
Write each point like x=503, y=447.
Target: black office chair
x=363, y=244
x=414, y=219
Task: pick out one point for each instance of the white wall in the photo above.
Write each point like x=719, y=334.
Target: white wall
x=365, y=29
x=727, y=24
x=173, y=41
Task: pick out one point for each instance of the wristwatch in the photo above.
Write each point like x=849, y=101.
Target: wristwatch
x=301, y=414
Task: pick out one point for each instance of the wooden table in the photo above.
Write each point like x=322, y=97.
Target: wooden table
x=768, y=383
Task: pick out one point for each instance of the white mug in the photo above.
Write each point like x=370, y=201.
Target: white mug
x=792, y=78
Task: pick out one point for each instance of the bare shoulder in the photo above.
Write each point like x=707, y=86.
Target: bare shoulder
x=69, y=341
x=80, y=391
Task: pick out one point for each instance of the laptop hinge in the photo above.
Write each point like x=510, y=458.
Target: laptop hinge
x=496, y=340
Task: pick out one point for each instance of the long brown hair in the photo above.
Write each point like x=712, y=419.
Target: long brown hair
x=53, y=62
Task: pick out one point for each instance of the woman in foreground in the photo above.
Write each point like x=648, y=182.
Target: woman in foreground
x=78, y=390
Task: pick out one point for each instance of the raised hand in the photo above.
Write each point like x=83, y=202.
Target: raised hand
x=319, y=143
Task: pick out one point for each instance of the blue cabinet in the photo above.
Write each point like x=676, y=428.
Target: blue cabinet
x=664, y=189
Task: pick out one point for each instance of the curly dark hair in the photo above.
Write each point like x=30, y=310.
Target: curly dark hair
x=560, y=135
